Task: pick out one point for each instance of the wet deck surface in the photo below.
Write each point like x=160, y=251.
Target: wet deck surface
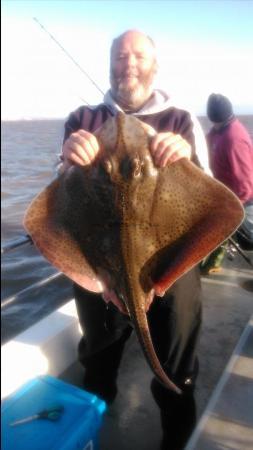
x=132, y=422
x=228, y=419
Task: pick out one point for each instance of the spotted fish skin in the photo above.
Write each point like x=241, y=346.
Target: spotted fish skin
x=125, y=225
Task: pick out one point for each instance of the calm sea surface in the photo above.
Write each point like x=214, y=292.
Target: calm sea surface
x=29, y=153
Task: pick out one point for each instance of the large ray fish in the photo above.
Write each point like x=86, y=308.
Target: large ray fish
x=124, y=225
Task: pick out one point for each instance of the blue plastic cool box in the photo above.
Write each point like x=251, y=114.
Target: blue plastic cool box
x=77, y=427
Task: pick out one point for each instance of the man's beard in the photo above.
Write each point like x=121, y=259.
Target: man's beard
x=132, y=97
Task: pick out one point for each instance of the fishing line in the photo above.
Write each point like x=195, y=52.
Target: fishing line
x=68, y=54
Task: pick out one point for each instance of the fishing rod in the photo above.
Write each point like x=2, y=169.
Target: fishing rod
x=13, y=298
x=240, y=251
x=6, y=248
x=69, y=56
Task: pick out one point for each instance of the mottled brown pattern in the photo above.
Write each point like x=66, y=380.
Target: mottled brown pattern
x=126, y=223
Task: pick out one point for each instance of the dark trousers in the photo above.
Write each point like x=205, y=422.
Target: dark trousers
x=174, y=322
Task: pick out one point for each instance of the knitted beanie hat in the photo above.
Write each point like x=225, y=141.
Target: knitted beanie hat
x=219, y=108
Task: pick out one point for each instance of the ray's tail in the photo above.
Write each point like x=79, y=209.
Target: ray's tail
x=139, y=320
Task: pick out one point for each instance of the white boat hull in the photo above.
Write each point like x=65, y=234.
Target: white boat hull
x=48, y=347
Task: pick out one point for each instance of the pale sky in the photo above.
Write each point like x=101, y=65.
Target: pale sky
x=203, y=47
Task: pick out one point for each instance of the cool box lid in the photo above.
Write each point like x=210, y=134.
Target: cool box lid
x=77, y=427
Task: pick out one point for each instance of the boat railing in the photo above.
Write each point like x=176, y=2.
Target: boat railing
x=17, y=243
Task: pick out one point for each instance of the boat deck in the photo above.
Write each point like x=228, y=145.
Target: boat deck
x=132, y=421
x=228, y=418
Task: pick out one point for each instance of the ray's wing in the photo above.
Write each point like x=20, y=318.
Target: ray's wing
x=45, y=222
x=192, y=214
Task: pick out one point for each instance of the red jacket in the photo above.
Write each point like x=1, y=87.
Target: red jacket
x=231, y=158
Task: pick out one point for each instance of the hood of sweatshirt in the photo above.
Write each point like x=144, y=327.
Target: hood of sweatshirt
x=159, y=101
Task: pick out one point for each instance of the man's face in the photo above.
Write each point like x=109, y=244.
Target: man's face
x=133, y=66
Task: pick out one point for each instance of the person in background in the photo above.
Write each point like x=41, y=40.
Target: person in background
x=231, y=161
x=175, y=319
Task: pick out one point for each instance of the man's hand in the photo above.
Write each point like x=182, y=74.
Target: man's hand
x=80, y=148
x=168, y=147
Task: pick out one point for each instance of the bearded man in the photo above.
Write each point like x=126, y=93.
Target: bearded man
x=175, y=319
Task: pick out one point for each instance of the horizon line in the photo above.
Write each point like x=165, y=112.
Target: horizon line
x=17, y=119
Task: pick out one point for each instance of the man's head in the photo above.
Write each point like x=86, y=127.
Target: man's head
x=219, y=109
x=133, y=66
